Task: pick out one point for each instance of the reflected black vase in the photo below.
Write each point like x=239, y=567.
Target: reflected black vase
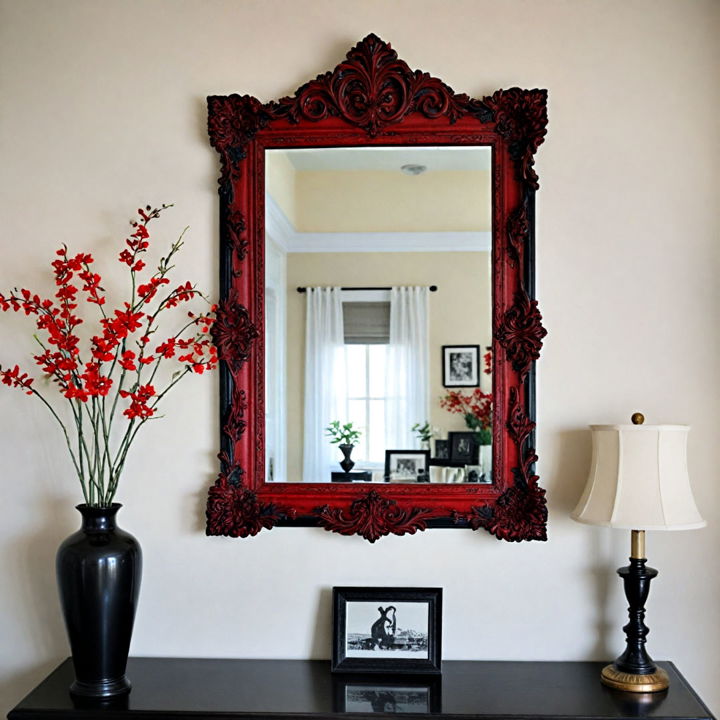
x=346, y=463
x=98, y=571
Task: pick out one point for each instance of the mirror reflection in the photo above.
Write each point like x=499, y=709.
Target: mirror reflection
x=378, y=314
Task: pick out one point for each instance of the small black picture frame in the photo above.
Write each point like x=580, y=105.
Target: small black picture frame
x=387, y=630
x=442, y=450
x=407, y=465
x=409, y=694
x=463, y=448
x=461, y=366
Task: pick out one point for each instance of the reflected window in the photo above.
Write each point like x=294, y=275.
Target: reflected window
x=366, y=327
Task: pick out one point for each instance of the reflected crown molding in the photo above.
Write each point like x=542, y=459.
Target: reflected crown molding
x=283, y=232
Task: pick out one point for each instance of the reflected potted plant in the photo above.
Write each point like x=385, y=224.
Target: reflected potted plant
x=425, y=433
x=110, y=380
x=344, y=436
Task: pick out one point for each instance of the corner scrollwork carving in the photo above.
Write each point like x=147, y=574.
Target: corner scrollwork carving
x=233, y=121
x=521, y=117
x=520, y=333
x=518, y=514
x=373, y=517
x=233, y=332
x=233, y=510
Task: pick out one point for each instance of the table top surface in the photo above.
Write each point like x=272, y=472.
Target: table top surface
x=263, y=689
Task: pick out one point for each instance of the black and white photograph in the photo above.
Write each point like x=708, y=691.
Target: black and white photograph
x=420, y=696
x=442, y=451
x=463, y=448
x=461, y=365
x=476, y=474
x=406, y=465
x=359, y=698
x=386, y=628
x=376, y=631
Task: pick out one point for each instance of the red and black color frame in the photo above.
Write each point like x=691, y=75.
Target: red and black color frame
x=373, y=98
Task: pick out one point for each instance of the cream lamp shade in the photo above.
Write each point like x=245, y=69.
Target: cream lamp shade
x=639, y=479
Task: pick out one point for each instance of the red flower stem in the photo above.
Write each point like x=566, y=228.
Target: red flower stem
x=38, y=394
x=92, y=479
x=102, y=312
x=163, y=269
x=107, y=428
x=129, y=437
x=99, y=470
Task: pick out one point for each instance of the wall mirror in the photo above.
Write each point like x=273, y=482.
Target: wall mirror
x=377, y=327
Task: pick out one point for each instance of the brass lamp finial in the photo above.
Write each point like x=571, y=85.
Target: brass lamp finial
x=637, y=418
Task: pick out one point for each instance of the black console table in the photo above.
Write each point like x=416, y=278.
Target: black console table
x=306, y=690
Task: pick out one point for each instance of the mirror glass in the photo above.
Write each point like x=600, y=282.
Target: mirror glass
x=378, y=315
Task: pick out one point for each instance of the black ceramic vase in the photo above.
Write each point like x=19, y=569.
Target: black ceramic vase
x=98, y=571
x=346, y=463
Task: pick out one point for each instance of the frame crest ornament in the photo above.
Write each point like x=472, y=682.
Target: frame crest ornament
x=374, y=98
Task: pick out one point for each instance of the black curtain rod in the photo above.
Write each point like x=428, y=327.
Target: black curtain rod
x=432, y=288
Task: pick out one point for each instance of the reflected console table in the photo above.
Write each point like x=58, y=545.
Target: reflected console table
x=306, y=690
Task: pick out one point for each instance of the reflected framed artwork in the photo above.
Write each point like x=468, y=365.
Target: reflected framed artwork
x=407, y=465
x=464, y=449
x=461, y=365
x=387, y=630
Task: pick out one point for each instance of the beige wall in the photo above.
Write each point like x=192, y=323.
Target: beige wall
x=103, y=109
x=280, y=179
x=459, y=315
x=384, y=201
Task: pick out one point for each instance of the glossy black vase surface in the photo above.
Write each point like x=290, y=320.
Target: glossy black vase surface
x=98, y=570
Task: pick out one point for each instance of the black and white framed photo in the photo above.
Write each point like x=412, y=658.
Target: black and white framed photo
x=387, y=630
x=476, y=474
x=463, y=448
x=461, y=365
x=442, y=450
x=407, y=465
x=370, y=695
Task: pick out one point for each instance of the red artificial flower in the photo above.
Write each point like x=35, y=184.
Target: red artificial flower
x=95, y=383
x=487, y=358
x=477, y=405
x=13, y=378
x=166, y=349
x=81, y=378
x=139, y=402
x=127, y=360
x=148, y=291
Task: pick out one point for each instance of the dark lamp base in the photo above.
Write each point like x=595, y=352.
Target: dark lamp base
x=633, y=682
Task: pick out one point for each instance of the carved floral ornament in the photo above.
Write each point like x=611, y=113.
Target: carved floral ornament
x=373, y=97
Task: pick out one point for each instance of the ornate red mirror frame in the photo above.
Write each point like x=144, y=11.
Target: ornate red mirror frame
x=374, y=98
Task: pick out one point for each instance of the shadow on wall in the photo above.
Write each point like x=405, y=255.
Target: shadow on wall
x=199, y=502
x=566, y=481
x=565, y=485
x=322, y=640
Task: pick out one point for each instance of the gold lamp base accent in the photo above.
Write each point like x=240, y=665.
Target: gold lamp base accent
x=630, y=682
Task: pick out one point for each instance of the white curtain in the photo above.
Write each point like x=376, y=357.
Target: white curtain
x=325, y=380
x=407, y=383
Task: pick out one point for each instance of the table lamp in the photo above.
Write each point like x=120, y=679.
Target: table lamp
x=638, y=481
